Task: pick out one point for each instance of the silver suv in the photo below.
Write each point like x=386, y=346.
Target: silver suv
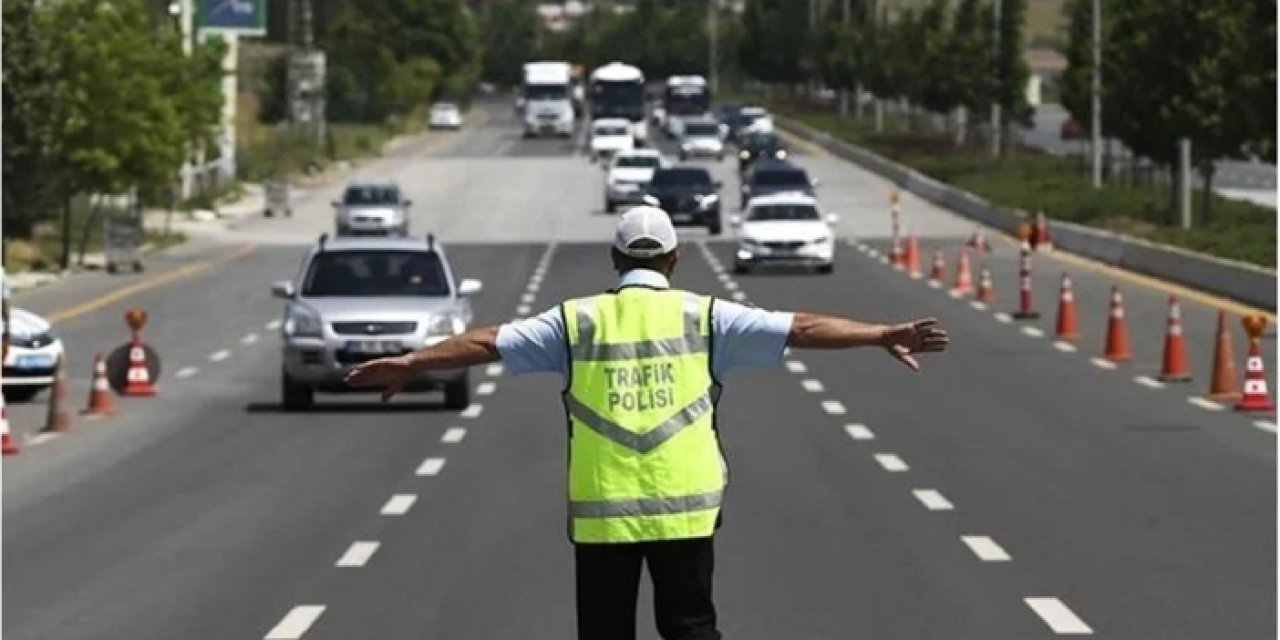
x=357, y=299
x=373, y=207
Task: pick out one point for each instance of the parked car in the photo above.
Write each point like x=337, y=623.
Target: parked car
x=445, y=115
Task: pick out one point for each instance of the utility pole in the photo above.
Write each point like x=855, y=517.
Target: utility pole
x=846, y=14
x=995, y=104
x=713, y=62
x=1096, y=133
x=1184, y=182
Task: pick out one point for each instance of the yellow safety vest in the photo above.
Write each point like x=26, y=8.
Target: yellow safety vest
x=644, y=459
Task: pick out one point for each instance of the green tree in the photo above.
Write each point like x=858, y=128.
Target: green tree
x=773, y=42
x=967, y=62
x=509, y=29
x=1011, y=70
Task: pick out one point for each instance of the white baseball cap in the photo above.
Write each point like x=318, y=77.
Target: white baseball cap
x=645, y=232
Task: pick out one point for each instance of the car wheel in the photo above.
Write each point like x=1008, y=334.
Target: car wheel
x=713, y=228
x=22, y=392
x=610, y=206
x=294, y=395
x=684, y=157
x=740, y=269
x=826, y=268
x=457, y=394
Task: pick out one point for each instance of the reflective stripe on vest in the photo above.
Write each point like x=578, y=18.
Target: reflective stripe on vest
x=644, y=460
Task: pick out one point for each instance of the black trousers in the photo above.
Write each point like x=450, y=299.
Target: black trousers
x=608, y=581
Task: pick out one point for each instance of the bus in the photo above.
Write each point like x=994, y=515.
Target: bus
x=617, y=91
x=683, y=98
x=547, y=93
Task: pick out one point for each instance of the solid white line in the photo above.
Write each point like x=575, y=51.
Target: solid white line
x=1065, y=347
x=296, y=622
x=812, y=386
x=1149, y=382
x=472, y=411
x=523, y=309
x=219, y=356
x=986, y=549
x=399, y=504
x=493, y=370
x=979, y=305
x=1059, y=618
x=731, y=285
x=249, y=339
x=1034, y=332
x=833, y=407
x=273, y=325
x=1205, y=403
x=891, y=462
x=357, y=554
x=859, y=432
x=1265, y=425
x=430, y=467
x=1103, y=363
x=185, y=372
x=453, y=435
x=485, y=388
x=795, y=366
x=739, y=296
x=1003, y=317
x=932, y=500
x=41, y=438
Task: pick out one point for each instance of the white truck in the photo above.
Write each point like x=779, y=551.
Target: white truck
x=547, y=105
x=685, y=97
x=617, y=91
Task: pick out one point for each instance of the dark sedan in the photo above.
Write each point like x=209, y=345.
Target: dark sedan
x=688, y=195
x=757, y=146
x=772, y=176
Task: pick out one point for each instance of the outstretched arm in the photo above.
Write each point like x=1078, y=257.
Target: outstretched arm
x=817, y=331
x=478, y=346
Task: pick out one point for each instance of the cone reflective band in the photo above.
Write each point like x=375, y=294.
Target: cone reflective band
x=1117, y=349
x=939, y=270
x=896, y=257
x=138, y=380
x=1175, y=367
x=964, y=276
x=1256, y=396
x=1068, y=326
x=1222, y=385
x=986, y=290
x=1026, y=308
x=100, y=403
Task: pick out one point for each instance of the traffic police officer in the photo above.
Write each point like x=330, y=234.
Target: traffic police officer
x=643, y=364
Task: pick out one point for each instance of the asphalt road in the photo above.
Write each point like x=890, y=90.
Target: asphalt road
x=1010, y=490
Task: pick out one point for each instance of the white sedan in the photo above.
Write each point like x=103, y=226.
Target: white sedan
x=445, y=115
x=627, y=176
x=785, y=229
x=33, y=355
x=610, y=136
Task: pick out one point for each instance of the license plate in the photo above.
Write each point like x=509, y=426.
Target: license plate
x=681, y=217
x=34, y=362
x=374, y=347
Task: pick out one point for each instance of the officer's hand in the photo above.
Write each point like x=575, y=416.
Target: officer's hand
x=392, y=373
x=917, y=336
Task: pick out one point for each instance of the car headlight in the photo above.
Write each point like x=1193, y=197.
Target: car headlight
x=781, y=154
x=446, y=325
x=744, y=155
x=708, y=199
x=301, y=322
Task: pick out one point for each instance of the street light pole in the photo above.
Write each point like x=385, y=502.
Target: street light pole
x=995, y=104
x=846, y=12
x=713, y=61
x=1096, y=133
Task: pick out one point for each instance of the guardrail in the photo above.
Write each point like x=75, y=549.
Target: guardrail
x=1233, y=279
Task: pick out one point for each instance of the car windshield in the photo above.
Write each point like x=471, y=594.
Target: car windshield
x=366, y=195
x=376, y=273
x=637, y=162
x=546, y=92
x=445, y=108
x=682, y=178
x=762, y=142
x=783, y=212
x=611, y=130
x=781, y=178
x=701, y=129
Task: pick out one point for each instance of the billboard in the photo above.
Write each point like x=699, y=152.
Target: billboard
x=244, y=17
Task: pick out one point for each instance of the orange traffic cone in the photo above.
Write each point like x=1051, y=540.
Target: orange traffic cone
x=1068, y=328
x=939, y=270
x=978, y=241
x=964, y=277
x=1256, y=397
x=1175, y=368
x=1222, y=385
x=57, y=418
x=1042, y=231
x=7, y=444
x=913, y=256
x=986, y=290
x=1117, y=349
x=100, y=403
x=139, y=377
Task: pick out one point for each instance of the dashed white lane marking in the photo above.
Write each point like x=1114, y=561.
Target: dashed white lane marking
x=523, y=309
x=1003, y=317
x=884, y=259
x=527, y=298
x=485, y=388
x=41, y=438
x=399, y=504
x=934, y=284
x=986, y=549
x=932, y=500
x=872, y=253
x=916, y=275
x=739, y=296
x=731, y=285
x=1149, y=382
x=795, y=366
x=979, y=305
x=1103, y=363
x=534, y=285
x=186, y=372
x=273, y=325
x=812, y=386
x=1034, y=332
x=859, y=432
x=494, y=370
x=1265, y=425
x=724, y=277
x=1065, y=347
x=453, y=435
x=1205, y=403
x=219, y=356
x=1060, y=619
x=296, y=622
x=358, y=554
x=430, y=467
x=862, y=248
x=891, y=462
x=472, y=411
x=833, y=407
x=249, y=339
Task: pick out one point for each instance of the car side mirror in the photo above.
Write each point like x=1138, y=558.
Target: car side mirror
x=650, y=200
x=814, y=182
x=718, y=184
x=735, y=220
x=832, y=218
x=469, y=287
x=283, y=289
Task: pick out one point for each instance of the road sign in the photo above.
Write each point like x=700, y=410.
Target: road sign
x=243, y=17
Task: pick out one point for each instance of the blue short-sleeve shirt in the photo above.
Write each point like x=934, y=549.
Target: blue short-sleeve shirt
x=743, y=337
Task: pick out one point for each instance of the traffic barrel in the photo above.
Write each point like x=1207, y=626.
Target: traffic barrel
x=100, y=403
x=986, y=290
x=1068, y=327
x=1222, y=385
x=1026, y=306
x=7, y=444
x=1255, y=397
x=939, y=271
x=964, y=275
x=1117, y=348
x=1175, y=367
x=57, y=419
